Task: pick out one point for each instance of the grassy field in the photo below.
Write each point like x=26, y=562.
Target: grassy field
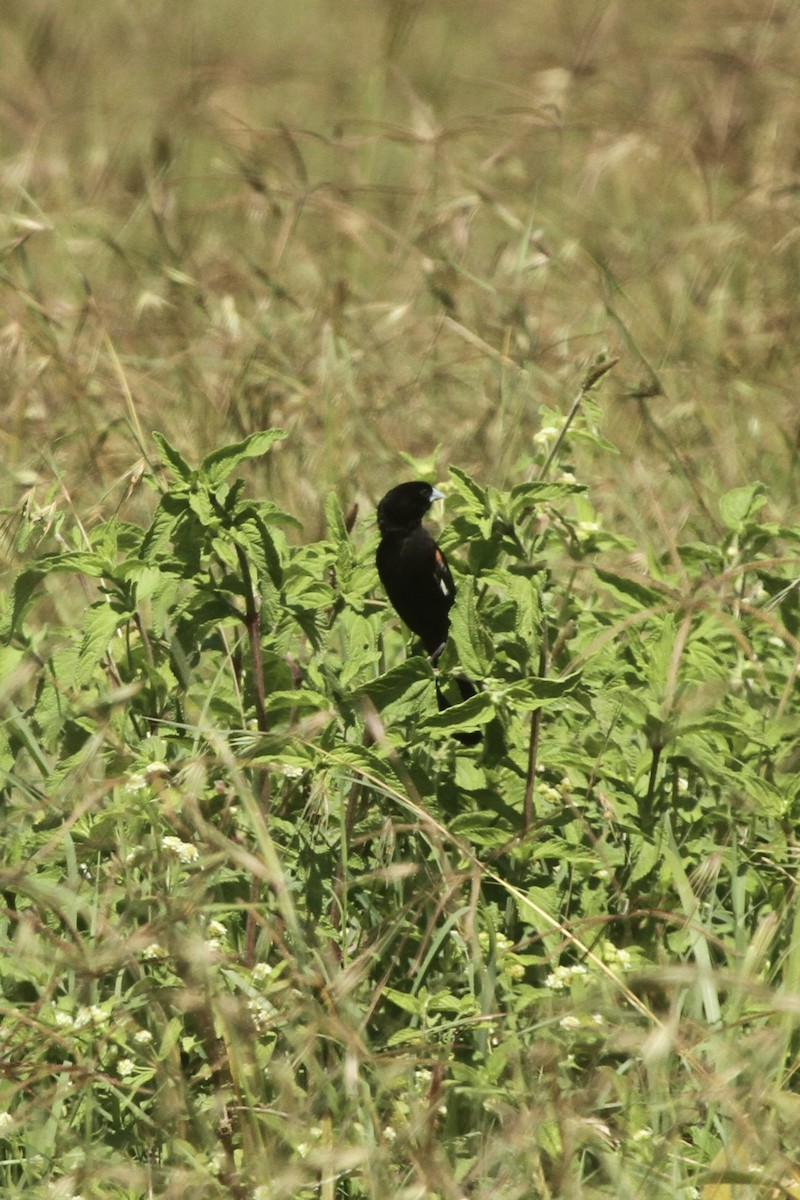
x=270, y=930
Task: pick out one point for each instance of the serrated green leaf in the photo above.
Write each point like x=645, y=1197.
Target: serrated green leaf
x=203, y=508
x=473, y=646
x=408, y=1037
x=469, y=488
x=477, y=710
x=632, y=589
x=175, y=463
x=405, y=1001
x=302, y=701
x=102, y=622
x=271, y=514
x=76, y=562
x=526, y=495
x=253, y=536
x=468, y=775
x=218, y=465
x=10, y=659
x=146, y=578
x=405, y=690
x=334, y=519
x=360, y=648
x=536, y=692
x=740, y=503
x=526, y=594
x=645, y=857
x=482, y=829
x=25, y=586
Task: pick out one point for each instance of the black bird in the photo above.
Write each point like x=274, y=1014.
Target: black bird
x=415, y=574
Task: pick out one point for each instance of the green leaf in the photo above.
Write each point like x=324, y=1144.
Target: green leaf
x=218, y=465
x=526, y=495
x=408, y=1003
x=203, y=508
x=536, y=692
x=740, y=503
x=334, y=519
x=482, y=829
x=102, y=622
x=301, y=701
x=406, y=690
x=632, y=589
x=76, y=562
x=472, y=644
x=175, y=463
x=526, y=593
x=253, y=536
x=470, y=489
x=477, y=710
x=360, y=650
x=25, y=586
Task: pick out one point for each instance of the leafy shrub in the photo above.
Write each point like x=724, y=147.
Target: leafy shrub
x=274, y=926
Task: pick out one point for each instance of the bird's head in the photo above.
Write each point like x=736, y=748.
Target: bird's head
x=404, y=506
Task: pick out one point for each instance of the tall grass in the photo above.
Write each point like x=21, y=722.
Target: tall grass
x=400, y=229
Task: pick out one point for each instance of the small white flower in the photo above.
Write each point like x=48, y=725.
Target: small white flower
x=63, y=1020
x=618, y=957
x=550, y=794
x=598, y=1019
x=125, y=1067
x=261, y=971
x=154, y=950
x=545, y=437
x=217, y=929
x=6, y=1121
x=143, y=1037
x=184, y=851
x=557, y=979
x=91, y=1015
x=290, y=771
x=569, y=1022
x=642, y=1135
x=136, y=781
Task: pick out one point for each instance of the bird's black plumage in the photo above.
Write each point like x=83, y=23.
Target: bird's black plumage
x=412, y=568
x=415, y=574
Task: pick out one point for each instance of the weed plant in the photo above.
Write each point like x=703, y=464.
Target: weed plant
x=274, y=931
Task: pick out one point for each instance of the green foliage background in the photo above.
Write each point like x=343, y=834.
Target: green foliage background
x=270, y=928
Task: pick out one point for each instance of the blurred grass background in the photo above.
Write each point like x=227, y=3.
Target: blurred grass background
x=396, y=228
